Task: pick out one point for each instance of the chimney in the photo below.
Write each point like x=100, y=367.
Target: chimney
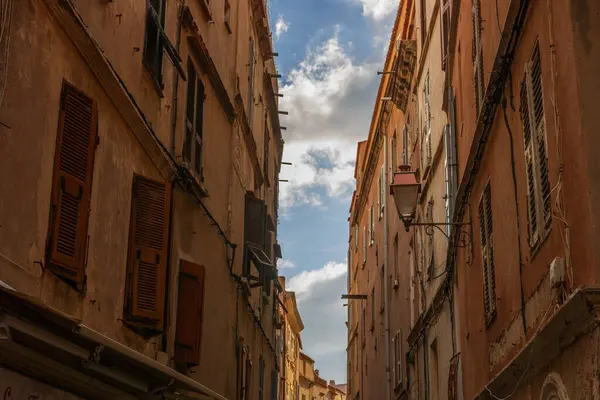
x=332, y=382
x=317, y=372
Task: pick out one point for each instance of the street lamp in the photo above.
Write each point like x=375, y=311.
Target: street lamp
x=405, y=189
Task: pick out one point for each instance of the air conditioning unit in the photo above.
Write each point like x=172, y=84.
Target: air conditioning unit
x=557, y=272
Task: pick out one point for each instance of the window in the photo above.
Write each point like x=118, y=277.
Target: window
x=273, y=384
x=251, y=62
x=190, y=304
x=405, y=145
x=478, y=78
x=434, y=386
x=430, y=255
x=371, y=227
x=356, y=234
x=393, y=152
x=397, y=367
x=423, y=23
x=445, y=31
x=242, y=358
x=266, y=160
x=72, y=185
x=487, y=253
x=364, y=245
x=372, y=309
x=536, y=159
x=261, y=379
x=227, y=14
x=153, y=48
x=147, y=256
x=395, y=249
x=427, y=97
x=194, y=120
x=382, y=289
x=382, y=192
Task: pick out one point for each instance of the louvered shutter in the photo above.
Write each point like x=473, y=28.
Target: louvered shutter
x=445, y=31
x=72, y=184
x=487, y=251
x=147, y=269
x=529, y=163
x=188, y=336
x=484, y=254
x=255, y=224
x=537, y=108
x=490, y=248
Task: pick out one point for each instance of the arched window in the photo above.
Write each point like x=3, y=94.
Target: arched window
x=553, y=388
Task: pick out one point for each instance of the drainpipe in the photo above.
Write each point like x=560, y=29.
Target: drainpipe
x=385, y=271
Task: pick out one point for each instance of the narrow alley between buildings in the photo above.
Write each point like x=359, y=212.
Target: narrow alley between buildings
x=299, y=199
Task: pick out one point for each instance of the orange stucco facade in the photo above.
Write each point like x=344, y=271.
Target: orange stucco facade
x=101, y=49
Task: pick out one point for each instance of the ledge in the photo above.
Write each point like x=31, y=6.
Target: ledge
x=578, y=315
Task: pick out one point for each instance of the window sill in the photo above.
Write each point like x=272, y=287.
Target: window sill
x=196, y=182
x=490, y=318
x=156, y=83
x=535, y=249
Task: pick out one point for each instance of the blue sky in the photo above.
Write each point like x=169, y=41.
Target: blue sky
x=329, y=53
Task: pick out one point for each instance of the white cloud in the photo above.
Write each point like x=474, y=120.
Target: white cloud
x=378, y=9
x=281, y=26
x=329, y=98
x=285, y=264
x=304, y=283
x=318, y=293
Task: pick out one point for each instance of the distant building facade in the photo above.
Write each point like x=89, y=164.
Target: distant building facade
x=498, y=256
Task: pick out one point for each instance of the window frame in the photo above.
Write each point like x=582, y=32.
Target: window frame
x=193, y=142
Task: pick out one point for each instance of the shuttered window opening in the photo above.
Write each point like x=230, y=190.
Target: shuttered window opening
x=393, y=157
x=194, y=121
x=405, y=145
x=190, y=306
x=364, y=245
x=487, y=253
x=477, y=52
x=261, y=379
x=430, y=257
x=536, y=158
x=445, y=31
x=147, y=262
x=251, y=61
x=427, y=95
x=242, y=356
x=72, y=185
x=154, y=44
x=371, y=226
x=397, y=367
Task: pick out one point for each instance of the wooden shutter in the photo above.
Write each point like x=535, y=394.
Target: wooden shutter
x=487, y=250
x=72, y=184
x=445, y=31
x=255, y=221
x=529, y=164
x=190, y=302
x=148, y=242
x=537, y=109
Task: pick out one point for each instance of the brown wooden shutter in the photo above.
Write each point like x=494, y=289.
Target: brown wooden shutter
x=537, y=98
x=445, y=31
x=190, y=302
x=72, y=184
x=529, y=164
x=148, y=242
